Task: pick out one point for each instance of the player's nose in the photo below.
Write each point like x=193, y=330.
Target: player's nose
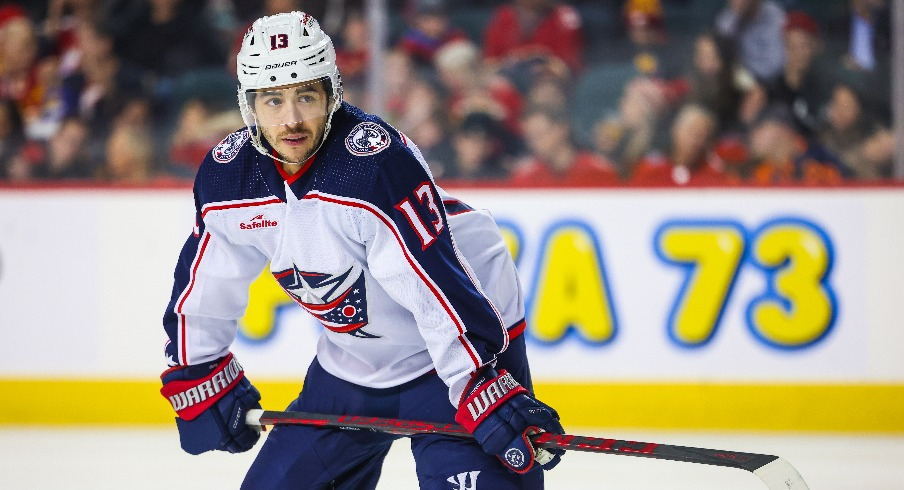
x=293, y=114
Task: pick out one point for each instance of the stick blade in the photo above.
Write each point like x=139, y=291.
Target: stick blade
x=780, y=475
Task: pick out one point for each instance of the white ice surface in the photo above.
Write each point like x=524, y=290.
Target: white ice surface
x=109, y=458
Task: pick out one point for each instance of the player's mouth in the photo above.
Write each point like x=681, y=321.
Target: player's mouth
x=295, y=139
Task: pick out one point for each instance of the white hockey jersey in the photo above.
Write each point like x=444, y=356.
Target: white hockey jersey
x=404, y=278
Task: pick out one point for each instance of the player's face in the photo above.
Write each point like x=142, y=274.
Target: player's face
x=293, y=118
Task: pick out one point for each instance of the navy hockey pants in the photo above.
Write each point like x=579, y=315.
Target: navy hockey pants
x=303, y=457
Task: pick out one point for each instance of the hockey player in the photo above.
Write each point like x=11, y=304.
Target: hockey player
x=421, y=304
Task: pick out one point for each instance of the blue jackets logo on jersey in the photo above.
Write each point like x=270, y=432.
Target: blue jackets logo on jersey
x=367, y=138
x=227, y=149
x=339, y=302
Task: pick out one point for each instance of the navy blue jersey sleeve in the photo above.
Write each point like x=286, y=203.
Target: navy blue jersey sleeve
x=454, y=315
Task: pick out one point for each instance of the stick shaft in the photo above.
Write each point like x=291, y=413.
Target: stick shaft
x=733, y=459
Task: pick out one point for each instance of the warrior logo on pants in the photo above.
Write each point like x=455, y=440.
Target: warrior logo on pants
x=464, y=481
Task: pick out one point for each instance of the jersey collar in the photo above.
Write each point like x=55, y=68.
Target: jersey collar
x=278, y=180
x=290, y=179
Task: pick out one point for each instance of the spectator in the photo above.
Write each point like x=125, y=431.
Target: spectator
x=647, y=60
x=628, y=135
x=481, y=150
x=10, y=11
x=173, y=38
x=550, y=92
x=429, y=31
x=644, y=21
x=425, y=97
x=76, y=37
x=554, y=158
x=60, y=29
x=865, y=147
x=525, y=29
x=18, y=61
x=866, y=51
x=12, y=137
x=353, y=49
x=66, y=155
x=425, y=118
x=524, y=74
x=472, y=86
x=97, y=90
x=398, y=77
x=647, y=50
x=691, y=160
x=68, y=65
x=28, y=77
x=755, y=26
x=44, y=112
x=136, y=111
x=435, y=142
x=128, y=157
x=713, y=79
x=64, y=17
x=866, y=30
x=782, y=155
x=804, y=84
x=190, y=141
x=608, y=140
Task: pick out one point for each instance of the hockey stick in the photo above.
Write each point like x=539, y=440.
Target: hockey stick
x=775, y=472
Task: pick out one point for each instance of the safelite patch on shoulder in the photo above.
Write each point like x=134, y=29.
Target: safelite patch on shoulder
x=227, y=149
x=367, y=138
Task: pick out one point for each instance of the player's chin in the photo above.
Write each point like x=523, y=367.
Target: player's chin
x=295, y=153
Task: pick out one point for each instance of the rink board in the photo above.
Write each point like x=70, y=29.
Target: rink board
x=647, y=308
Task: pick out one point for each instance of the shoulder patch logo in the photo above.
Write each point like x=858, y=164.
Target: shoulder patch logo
x=367, y=138
x=227, y=149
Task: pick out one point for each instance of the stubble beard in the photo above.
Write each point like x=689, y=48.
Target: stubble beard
x=295, y=155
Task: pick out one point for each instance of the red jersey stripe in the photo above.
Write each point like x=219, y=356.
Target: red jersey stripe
x=183, y=349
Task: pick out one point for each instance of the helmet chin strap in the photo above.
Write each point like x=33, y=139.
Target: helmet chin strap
x=258, y=145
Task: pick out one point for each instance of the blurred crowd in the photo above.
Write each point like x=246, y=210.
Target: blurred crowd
x=524, y=92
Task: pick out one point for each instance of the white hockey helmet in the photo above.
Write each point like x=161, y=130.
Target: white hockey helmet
x=285, y=49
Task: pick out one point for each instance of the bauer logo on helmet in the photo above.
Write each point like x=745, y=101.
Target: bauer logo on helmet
x=280, y=65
